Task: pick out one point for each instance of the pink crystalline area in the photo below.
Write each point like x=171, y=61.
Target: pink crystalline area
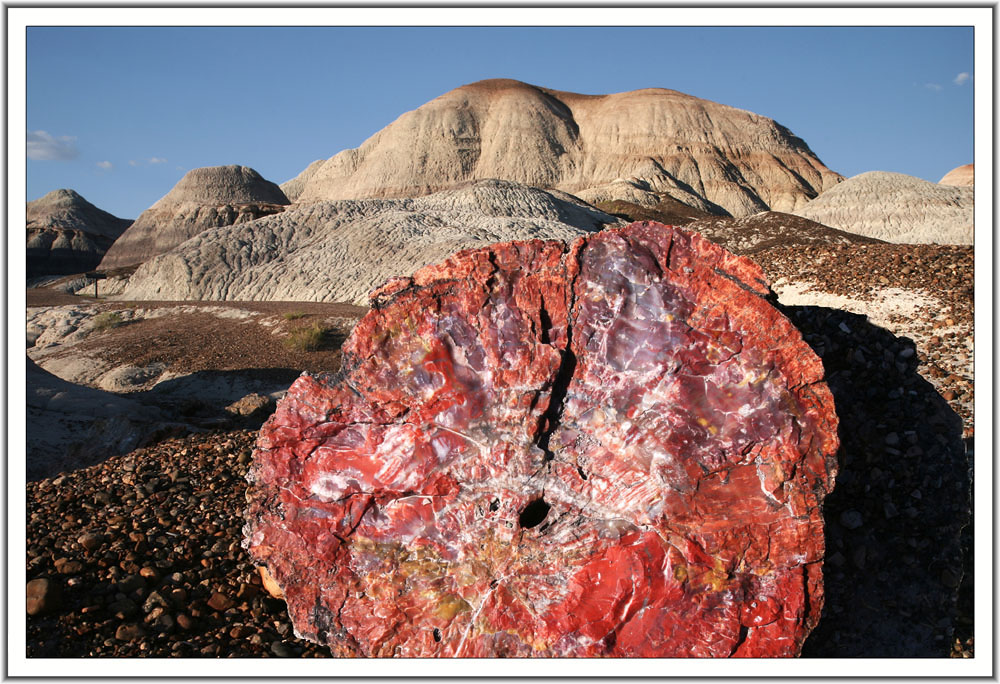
x=616, y=447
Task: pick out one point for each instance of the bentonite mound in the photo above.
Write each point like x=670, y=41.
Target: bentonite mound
x=204, y=198
x=769, y=230
x=961, y=176
x=67, y=234
x=896, y=208
x=293, y=188
x=637, y=146
x=615, y=447
x=341, y=251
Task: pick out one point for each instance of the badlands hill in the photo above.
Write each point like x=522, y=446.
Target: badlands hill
x=340, y=251
x=896, y=208
x=293, y=188
x=68, y=234
x=961, y=176
x=204, y=198
x=771, y=229
x=640, y=146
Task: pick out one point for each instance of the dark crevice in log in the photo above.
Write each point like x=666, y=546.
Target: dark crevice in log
x=730, y=277
x=744, y=632
x=551, y=418
x=546, y=321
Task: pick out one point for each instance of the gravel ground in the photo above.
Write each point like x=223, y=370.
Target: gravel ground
x=146, y=548
x=943, y=273
x=907, y=423
x=142, y=554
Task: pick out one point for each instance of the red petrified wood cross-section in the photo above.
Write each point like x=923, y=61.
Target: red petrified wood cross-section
x=616, y=447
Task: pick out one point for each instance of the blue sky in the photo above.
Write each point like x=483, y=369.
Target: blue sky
x=120, y=114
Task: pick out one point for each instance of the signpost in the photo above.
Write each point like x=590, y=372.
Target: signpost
x=96, y=275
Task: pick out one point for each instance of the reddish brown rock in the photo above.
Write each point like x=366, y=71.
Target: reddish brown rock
x=43, y=596
x=615, y=447
x=220, y=602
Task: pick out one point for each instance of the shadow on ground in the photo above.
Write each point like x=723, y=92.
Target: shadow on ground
x=894, y=523
x=72, y=426
x=201, y=398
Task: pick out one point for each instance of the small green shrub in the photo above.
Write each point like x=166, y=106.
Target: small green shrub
x=107, y=320
x=308, y=338
x=295, y=315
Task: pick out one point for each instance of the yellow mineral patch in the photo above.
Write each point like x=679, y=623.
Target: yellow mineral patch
x=681, y=574
x=468, y=573
x=421, y=566
x=715, y=579
x=360, y=543
x=451, y=605
x=270, y=585
x=539, y=645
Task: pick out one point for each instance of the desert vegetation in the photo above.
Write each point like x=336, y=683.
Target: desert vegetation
x=107, y=320
x=310, y=338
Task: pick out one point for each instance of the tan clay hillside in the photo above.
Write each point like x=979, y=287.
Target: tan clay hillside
x=962, y=176
x=204, y=198
x=896, y=208
x=68, y=234
x=293, y=188
x=638, y=146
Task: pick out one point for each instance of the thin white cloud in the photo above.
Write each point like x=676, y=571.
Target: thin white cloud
x=933, y=86
x=157, y=160
x=132, y=162
x=962, y=78
x=44, y=147
x=106, y=165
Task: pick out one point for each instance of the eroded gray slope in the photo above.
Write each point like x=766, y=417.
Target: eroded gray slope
x=340, y=251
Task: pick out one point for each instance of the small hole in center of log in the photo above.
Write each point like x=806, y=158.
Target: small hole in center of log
x=533, y=514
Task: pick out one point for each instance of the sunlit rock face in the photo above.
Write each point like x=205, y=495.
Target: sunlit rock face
x=615, y=447
x=647, y=147
x=205, y=198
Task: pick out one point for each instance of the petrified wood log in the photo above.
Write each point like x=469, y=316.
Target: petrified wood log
x=615, y=447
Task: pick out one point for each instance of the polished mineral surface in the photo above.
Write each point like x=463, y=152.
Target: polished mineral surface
x=613, y=447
